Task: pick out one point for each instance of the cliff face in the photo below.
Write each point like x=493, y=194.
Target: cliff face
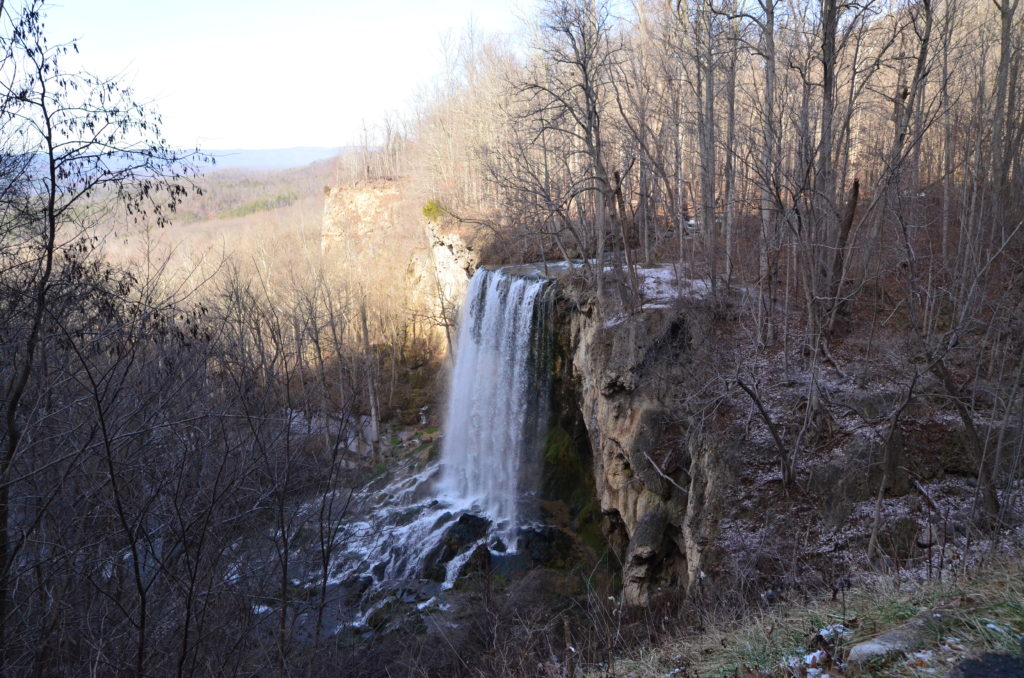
x=656, y=487
x=653, y=442
x=385, y=244
x=438, y=273
x=362, y=221
x=689, y=479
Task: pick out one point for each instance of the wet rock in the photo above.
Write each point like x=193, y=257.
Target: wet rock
x=415, y=592
x=989, y=665
x=353, y=591
x=384, y=614
x=508, y=564
x=457, y=538
x=478, y=562
x=548, y=546
x=441, y=520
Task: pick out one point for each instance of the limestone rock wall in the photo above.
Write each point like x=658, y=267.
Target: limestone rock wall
x=689, y=480
x=361, y=221
x=383, y=242
x=657, y=490
x=438, y=274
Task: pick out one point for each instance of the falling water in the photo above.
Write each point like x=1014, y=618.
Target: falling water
x=490, y=464
x=497, y=405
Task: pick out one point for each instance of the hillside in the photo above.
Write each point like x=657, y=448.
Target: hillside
x=663, y=339
x=266, y=159
x=233, y=210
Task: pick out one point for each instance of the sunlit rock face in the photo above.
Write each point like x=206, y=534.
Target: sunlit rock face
x=437, y=277
x=361, y=221
x=384, y=245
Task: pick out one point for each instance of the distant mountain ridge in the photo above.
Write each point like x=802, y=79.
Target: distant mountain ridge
x=268, y=159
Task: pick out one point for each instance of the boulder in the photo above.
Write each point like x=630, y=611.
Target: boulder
x=548, y=546
x=456, y=538
x=907, y=637
x=989, y=665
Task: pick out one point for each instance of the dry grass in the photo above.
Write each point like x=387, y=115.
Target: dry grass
x=982, y=611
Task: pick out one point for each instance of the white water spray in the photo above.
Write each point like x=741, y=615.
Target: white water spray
x=490, y=464
x=497, y=405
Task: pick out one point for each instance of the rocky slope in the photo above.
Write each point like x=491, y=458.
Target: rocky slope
x=688, y=476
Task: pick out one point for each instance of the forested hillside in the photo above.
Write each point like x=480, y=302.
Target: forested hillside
x=848, y=170
x=837, y=188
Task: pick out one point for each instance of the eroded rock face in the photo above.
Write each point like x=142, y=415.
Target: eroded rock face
x=655, y=490
x=694, y=502
x=386, y=244
x=360, y=220
x=438, y=274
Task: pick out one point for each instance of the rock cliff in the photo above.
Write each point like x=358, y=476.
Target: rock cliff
x=656, y=486
x=386, y=243
x=688, y=478
x=654, y=451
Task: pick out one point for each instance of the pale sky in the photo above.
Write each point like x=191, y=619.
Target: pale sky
x=272, y=73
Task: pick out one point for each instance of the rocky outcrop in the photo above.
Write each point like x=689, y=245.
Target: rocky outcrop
x=913, y=634
x=361, y=222
x=457, y=537
x=688, y=477
x=437, y=275
x=656, y=487
x=387, y=246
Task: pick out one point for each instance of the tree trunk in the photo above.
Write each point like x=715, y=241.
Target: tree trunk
x=706, y=127
x=371, y=386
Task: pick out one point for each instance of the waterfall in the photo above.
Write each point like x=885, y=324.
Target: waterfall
x=497, y=403
x=416, y=531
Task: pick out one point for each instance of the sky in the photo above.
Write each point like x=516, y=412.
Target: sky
x=258, y=74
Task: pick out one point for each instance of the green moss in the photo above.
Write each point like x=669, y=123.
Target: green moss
x=589, y=526
x=896, y=611
x=433, y=210
x=563, y=470
x=567, y=478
